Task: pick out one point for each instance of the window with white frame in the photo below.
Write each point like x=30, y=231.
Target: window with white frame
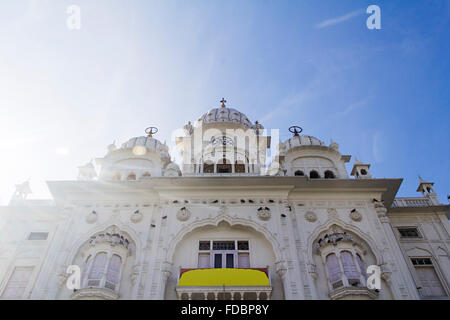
x=38, y=236
x=361, y=265
x=345, y=268
x=112, y=275
x=430, y=285
x=17, y=283
x=103, y=271
x=334, y=271
x=349, y=266
x=224, y=254
x=409, y=232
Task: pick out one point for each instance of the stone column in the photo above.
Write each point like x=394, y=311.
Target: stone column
x=404, y=275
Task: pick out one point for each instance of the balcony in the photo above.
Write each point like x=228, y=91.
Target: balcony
x=353, y=293
x=224, y=284
x=411, y=202
x=94, y=294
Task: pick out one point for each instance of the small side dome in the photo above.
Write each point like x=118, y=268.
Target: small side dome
x=303, y=140
x=140, y=145
x=172, y=170
x=139, y=157
x=308, y=156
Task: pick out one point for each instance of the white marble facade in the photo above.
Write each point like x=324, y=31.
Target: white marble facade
x=133, y=220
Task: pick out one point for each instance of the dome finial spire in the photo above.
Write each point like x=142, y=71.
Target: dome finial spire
x=223, y=102
x=295, y=130
x=150, y=131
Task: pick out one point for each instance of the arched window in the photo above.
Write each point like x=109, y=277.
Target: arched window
x=314, y=175
x=223, y=166
x=146, y=174
x=87, y=265
x=350, y=271
x=361, y=266
x=299, y=173
x=97, y=270
x=131, y=176
x=208, y=167
x=112, y=276
x=363, y=172
x=239, y=167
x=334, y=270
x=329, y=175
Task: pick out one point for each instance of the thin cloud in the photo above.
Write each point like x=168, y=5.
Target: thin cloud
x=355, y=106
x=335, y=21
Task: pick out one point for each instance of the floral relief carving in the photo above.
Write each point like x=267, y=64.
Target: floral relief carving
x=310, y=216
x=134, y=274
x=332, y=213
x=183, y=214
x=136, y=216
x=92, y=217
x=355, y=215
x=264, y=213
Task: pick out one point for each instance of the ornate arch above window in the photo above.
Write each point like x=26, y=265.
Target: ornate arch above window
x=343, y=254
x=299, y=173
x=329, y=174
x=107, y=253
x=314, y=174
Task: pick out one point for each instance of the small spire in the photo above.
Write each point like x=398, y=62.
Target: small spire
x=150, y=131
x=112, y=146
x=295, y=130
x=223, y=101
x=420, y=178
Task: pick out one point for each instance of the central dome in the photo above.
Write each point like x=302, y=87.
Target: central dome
x=225, y=115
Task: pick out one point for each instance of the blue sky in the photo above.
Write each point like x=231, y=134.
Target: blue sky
x=383, y=95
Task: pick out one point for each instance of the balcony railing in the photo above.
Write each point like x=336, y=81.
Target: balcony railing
x=411, y=202
x=224, y=284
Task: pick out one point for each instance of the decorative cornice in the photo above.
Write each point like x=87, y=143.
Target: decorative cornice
x=96, y=293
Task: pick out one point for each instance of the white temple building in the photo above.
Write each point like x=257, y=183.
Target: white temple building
x=229, y=222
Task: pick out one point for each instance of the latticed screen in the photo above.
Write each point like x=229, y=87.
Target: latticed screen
x=38, y=236
x=361, y=266
x=204, y=245
x=421, y=261
x=334, y=270
x=242, y=245
x=349, y=265
x=17, y=283
x=98, y=267
x=409, y=232
x=224, y=245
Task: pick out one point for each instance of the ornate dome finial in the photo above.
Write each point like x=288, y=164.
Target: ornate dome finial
x=112, y=146
x=223, y=101
x=150, y=131
x=295, y=130
x=189, y=128
x=257, y=127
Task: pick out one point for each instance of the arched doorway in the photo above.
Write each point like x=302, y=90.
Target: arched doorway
x=226, y=251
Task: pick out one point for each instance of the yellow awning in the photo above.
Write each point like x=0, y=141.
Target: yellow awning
x=221, y=277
